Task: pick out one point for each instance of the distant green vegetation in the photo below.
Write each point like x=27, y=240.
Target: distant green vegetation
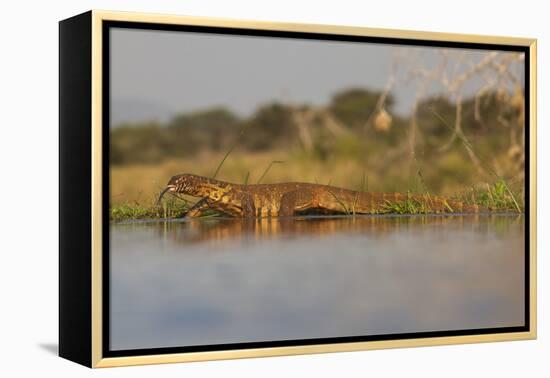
x=273, y=126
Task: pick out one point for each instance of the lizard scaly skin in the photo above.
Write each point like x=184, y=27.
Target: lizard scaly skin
x=291, y=198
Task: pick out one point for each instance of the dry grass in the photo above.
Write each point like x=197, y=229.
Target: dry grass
x=141, y=183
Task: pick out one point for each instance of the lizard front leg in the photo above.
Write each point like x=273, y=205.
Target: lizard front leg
x=197, y=209
x=242, y=208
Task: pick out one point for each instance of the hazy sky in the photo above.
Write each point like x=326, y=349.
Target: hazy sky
x=157, y=74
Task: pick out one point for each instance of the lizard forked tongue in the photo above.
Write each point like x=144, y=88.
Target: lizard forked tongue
x=162, y=195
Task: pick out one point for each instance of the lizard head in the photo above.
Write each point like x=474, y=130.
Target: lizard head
x=185, y=183
x=196, y=186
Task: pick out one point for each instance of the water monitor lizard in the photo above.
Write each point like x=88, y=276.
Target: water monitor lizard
x=292, y=198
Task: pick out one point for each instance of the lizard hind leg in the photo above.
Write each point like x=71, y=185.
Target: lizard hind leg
x=294, y=201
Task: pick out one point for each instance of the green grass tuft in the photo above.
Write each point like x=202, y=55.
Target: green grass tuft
x=408, y=206
x=171, y=208
x=496, y=197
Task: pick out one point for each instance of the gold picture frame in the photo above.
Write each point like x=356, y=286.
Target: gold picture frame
x=82, y=330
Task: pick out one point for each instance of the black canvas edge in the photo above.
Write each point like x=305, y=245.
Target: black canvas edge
x=75, y=180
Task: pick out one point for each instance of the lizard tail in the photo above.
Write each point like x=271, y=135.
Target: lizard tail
x=353, y=202
x=437, y=204
x=445, y=205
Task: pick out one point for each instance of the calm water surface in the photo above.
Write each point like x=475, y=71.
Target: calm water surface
x=219, y=281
